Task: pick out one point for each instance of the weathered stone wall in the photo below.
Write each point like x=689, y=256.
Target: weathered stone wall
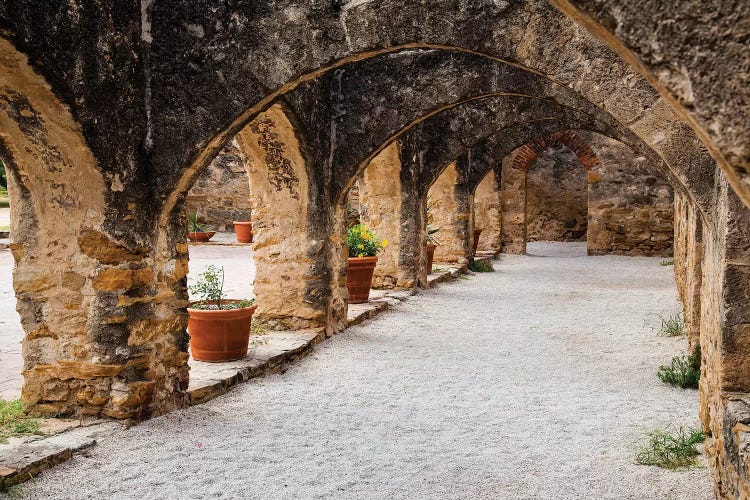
x=556, y=199
x=688, y=255
x=630, y=203
x=513, y=208
x=487, y=215
x=281, y=247
x=450, y=217
x=380, y=209
x=221, y=194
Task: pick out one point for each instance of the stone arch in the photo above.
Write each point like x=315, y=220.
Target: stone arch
x=528, y=153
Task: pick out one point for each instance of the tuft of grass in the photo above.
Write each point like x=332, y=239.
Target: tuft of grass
x=667, y=262
x=436, y=269
x=673, y=326
x=481, y=266
x=684, y=371
x=257, y=328
x=14, y=421
x=671, y=448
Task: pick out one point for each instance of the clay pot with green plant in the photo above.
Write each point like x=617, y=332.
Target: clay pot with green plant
x=363, y=248
x=244, y=231
x=219, y=328
x=196, y=232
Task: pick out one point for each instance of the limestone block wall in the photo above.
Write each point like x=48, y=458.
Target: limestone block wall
x=487, y=214
x=556, y=199
x=513, y=208
x=688, y=255
x=221, y=194
x=630, y=203
x=452, y=214
x=380, y=209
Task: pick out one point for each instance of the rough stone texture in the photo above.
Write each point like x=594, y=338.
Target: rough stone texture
x=284, y=256
x=487, y=215
x=221, y=195
x=380, y=210
x=556, y=199
x=450, y=214
x=688, y=255
x=630, y=203
x=513, y=194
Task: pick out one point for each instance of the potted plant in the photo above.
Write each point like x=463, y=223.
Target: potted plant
x=363, y=248
x=219, y=328
x=474, y=247
x=195, y=232
x=244, y=231
x=431, y=229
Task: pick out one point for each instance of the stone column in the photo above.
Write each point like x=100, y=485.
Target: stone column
x=380, y=210
x=688, y=254
x=451, y=209
x=513, y=209
x=487, y=214
x=282, y=247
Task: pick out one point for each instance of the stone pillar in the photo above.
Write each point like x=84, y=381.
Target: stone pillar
x=513, y=209
x=487, y=214
x=282, y=247
x=451, y=209
x=688, y=254
x=725, y=344
x=380, y=210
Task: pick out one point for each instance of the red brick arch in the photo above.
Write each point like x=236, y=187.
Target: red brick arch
x=529, y=152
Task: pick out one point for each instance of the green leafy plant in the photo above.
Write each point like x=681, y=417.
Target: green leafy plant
x=193, y=225
x=673, y=326
x=362, y=242
x=3, y=177
x=667, y=262
x=683, y=371
x=14, y=421
x=209, y=286
x=671, y=448
x=481, y=266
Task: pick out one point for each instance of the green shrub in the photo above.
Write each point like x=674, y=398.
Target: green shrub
x=673, y=326
x=684, y=371
x=362, y=242
x=14, y=422
x=667, y=262
x=209, y=286
x=481, y=266
x=671, y=449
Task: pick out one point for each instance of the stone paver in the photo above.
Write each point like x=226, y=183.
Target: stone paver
x=536, y=381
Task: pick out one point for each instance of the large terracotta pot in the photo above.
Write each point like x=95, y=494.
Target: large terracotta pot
x=201, y=236
x=244, y=231
x=430, y=257
x=359, y=278
x=477, y=232
x=220, y=335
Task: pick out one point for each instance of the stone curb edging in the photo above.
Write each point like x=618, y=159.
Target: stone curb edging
x=271, y=353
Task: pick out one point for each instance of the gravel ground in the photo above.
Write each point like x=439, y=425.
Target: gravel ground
x=536, y=381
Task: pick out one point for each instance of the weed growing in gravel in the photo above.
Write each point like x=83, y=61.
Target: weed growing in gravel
x=667, y=262
x=673, y=326
x=671, y=448
x=436, y=269
x=684, y=371
x=14, y=422
x=481, y=266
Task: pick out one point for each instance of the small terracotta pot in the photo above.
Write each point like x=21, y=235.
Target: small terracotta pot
x=244, y=231
x=359, y=278
x=220, y=335
x=430, y=257
x=477, y=232
x=201, y=236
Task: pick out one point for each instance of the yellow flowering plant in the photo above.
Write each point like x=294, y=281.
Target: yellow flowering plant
x=362, y=242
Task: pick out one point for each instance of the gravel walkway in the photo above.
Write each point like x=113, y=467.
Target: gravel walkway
x=535, y=381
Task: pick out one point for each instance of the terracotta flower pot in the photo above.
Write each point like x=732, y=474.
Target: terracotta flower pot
x=244, y=231
x=201, y=236
x=220, y=335
x=430, y=257
x=359, y=278
x=477, y=232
